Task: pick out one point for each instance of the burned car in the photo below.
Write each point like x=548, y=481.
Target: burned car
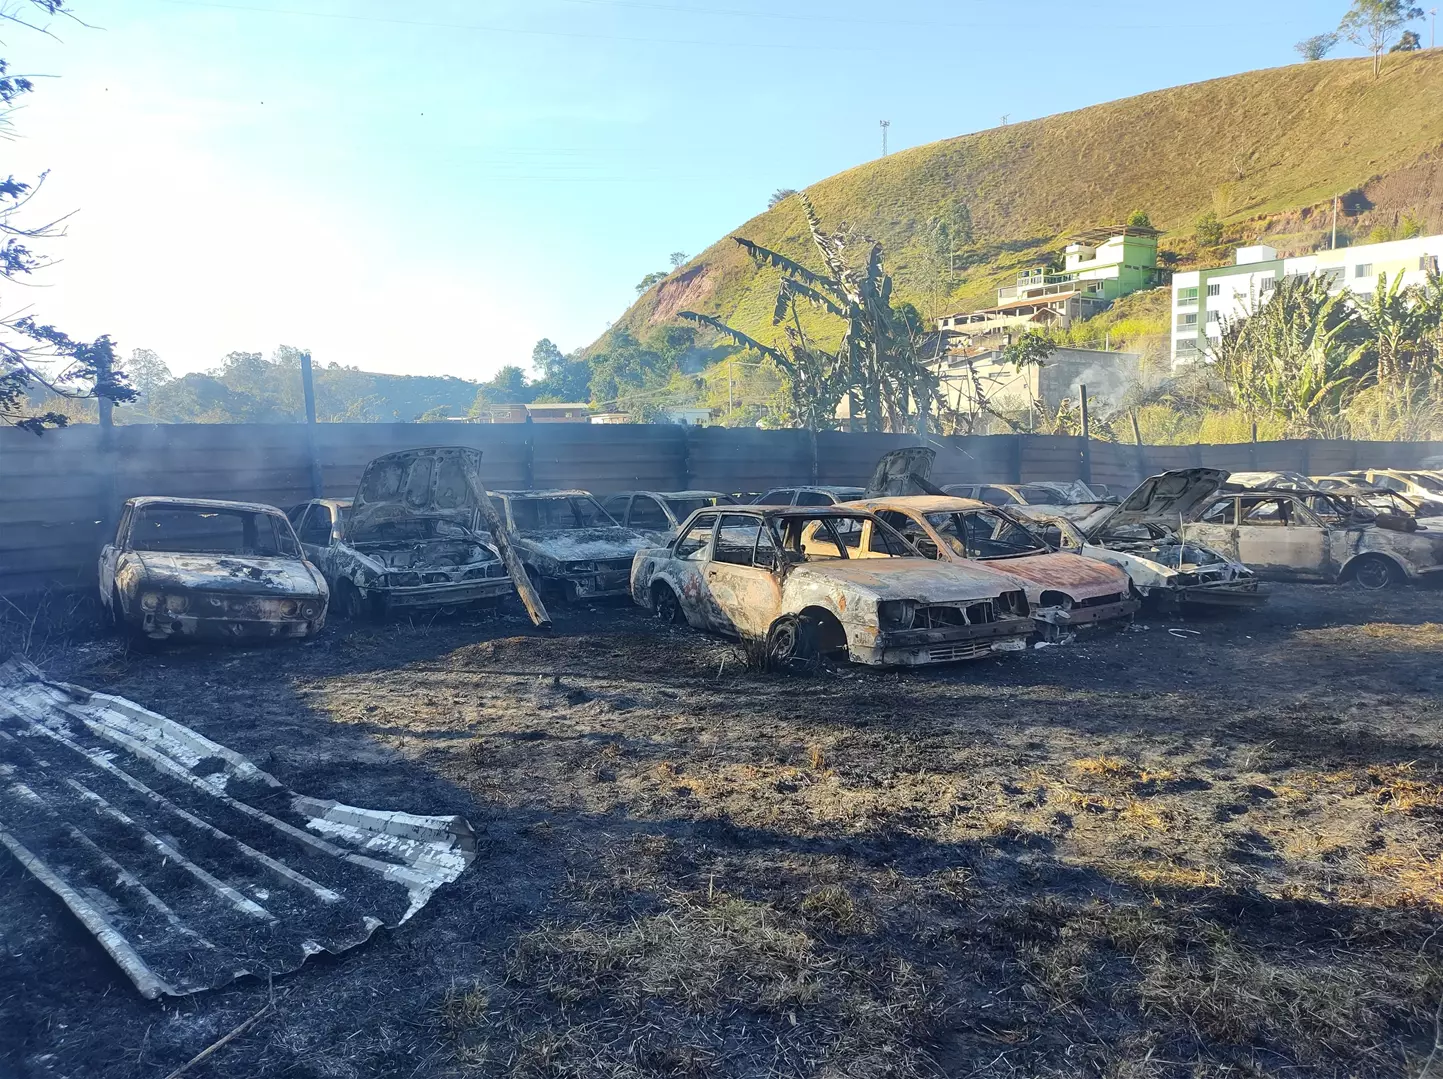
x=809, y=582
x=207, y=568
x=1315, y=536
x=808, y=495
x=406, y=541
x=571, y=547
x=660, y=513
x=1036, y=493
x=1140, y=537
x=1066, y=590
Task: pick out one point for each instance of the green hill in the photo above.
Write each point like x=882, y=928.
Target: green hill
x=1266, y=151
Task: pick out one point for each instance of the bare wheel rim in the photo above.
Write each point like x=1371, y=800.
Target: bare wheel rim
x=1374, y=574
x=667, y=606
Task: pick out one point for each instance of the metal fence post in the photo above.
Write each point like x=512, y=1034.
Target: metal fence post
x=308, y=391
x=1086, y=437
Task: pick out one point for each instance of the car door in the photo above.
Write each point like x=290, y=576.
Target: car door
x=1279, y=538
x=687, y=570
x=1216, y=527
x=110, y=556
x=741, y=577
x=314, y=532
x=616, y=506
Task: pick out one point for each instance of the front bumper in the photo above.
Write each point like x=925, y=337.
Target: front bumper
x=601, y=584
x=160, y=626
x=443, y=594
x=1221, y=594
x=1074, y=617
x=914, y=648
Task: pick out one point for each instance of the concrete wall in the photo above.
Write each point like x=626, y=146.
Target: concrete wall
x=60, y=493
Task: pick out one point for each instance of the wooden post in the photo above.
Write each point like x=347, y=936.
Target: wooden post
x=1141, y=454
x=1086, y=438
x=501, y=537
x=308, y=391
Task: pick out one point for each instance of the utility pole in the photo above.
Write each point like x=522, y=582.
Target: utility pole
x=1335, y=224
x=1432, y=26
x=731, y=401
x=885, y=124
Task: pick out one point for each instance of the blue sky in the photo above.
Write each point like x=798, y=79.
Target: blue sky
x=430, y=187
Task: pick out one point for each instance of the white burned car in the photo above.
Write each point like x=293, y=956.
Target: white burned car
x=817, y=581
x=1140, y=536
x=571, y=547
x=207, y=568
x=405, y=542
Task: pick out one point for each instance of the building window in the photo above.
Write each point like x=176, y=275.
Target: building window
x=1428, y=264
x=1212, y=316
x=1267, y=285
x=1188, y=321
x=1187, y=296
x=1363, y=270
x=1215, y=288
x=1332, y=277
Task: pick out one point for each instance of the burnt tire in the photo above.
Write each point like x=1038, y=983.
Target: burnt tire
x=665, y=605
x=793, y=644
x=346, y=601
x=1374, y=572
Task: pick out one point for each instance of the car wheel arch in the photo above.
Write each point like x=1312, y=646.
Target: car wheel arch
x=1397, y=570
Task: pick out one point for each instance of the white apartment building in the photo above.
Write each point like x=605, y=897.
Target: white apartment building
x=1202, y=300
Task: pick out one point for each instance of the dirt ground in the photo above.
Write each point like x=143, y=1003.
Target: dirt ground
x=1204, y=847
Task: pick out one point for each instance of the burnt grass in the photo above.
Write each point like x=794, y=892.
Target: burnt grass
x=1211, y=851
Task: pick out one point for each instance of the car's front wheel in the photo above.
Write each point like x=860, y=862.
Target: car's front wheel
x=665, y=604
x=1375, y=572
x=346, y=600
x=792, y=644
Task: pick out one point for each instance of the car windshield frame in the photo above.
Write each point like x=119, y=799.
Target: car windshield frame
x=682, y=509
x=1039, y=545
x=789, y=544
x=287, y=546
x=602, y=520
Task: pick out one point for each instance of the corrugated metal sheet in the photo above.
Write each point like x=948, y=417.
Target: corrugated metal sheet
x=190, y=865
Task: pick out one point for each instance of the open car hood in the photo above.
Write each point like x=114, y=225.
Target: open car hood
x=431, y=482
x=906, y=471
x=1166, y=499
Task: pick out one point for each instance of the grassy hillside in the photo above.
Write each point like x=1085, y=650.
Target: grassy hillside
x=1266, y=151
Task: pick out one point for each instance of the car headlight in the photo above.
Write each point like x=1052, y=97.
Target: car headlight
x=896, y=614
x=1013, y=603
x=149, y=601
x=396, y=581
x=309, y=610
x=176, y=605
x=581, y=567
x=289, y=608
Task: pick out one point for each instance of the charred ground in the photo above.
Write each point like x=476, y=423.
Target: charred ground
x=1148, y=853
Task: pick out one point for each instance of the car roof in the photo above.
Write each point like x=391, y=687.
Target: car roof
x=141, y=501
x=774, y=510
x=926, y=504
x=542, y=493
x=697, y=494
x=340, y=504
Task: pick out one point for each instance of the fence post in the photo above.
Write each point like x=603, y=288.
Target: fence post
x=684, y=466
x=1017, y=445
x=1086, y=438
x=528, y=457
x=812, y=449
x=1137, y=442
x=308, y=391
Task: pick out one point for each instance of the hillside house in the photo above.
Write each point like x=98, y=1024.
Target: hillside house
x=1204, y=300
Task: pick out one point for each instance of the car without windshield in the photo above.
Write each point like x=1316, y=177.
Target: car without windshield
x=1140, y=537
x=406, y=541
x=1036, y=493
x=659, y=514
x=828, y=581
x=571, y=547
x=207, y=568
x=814, y=495
x=1313, y=536
x=1065, y=590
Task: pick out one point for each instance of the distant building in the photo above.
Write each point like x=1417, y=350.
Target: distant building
x=1203, y=300
x=962, y=372
x=611, y=418
x=1099, y=265
x=687, y=417
x=571, y=412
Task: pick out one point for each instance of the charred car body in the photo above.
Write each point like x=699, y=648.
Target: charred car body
x=1065, y=590
x=207, y=568
x=659, y=514
x=405, y=542
x=571, y=547
x=1315, y=536
x=813, y=581
x=1140, y=537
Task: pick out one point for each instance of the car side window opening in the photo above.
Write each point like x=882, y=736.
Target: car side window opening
x=765, y=555
x=616, y=507
x=889, y=540
x=736, y=539
x=646, y=513
x=694, y=542
x=849, y=531
x=908, y=529
x=778, y=497
x=997, y=497
x=814, y=498
x=316, y=527
x=1266, y=512
x=1222, y=512
x=560, y=512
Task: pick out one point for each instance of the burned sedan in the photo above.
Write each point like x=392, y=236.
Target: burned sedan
x=1140, y=537
x=659, y=514
x=1066, y=590
x=405, y=542
x=1315, y=536
x=572, y=548
x=808, y=582
x=206, y=568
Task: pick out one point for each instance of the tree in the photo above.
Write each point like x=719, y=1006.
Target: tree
x=677, y=259
x=34, y=355
x=1317, y=46
x=1208, y=230
x=1371, y=24
x=1409, y=42
x=650, y=280
x=146, y=371
x=1139, y=219
x=780, y=195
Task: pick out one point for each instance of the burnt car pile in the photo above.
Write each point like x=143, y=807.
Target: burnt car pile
x=897, y=573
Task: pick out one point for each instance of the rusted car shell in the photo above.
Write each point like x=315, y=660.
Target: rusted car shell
x=582, y=563
x=163, y=594
x=1317, y=550
x=1092, y=590
x=850, y=591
